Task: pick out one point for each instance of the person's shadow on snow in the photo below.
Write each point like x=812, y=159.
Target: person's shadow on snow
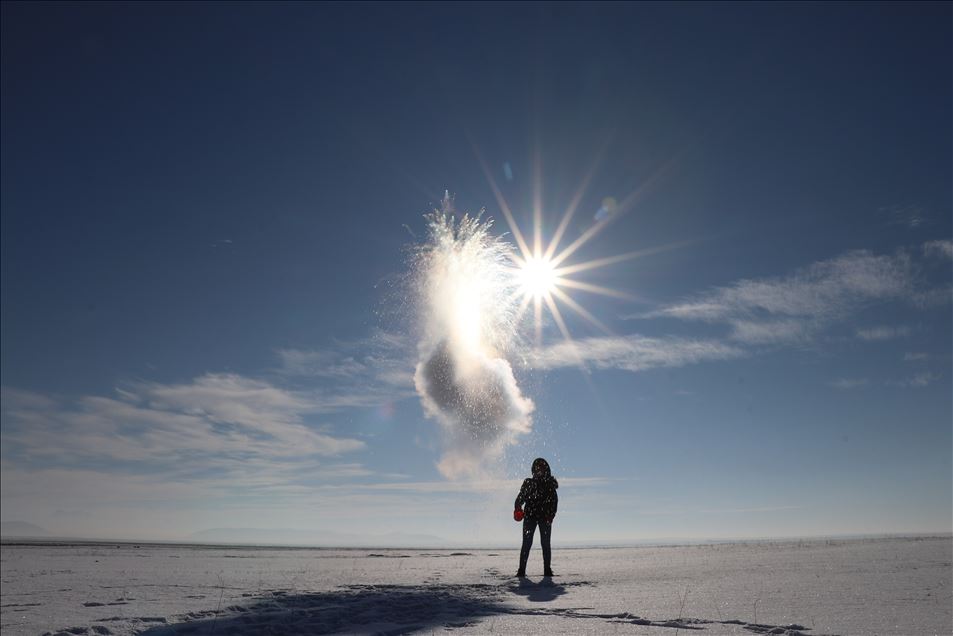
x=542, y=592
x=391, y=609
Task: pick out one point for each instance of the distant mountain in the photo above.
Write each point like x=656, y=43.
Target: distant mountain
x=318, y=538
x=21, y=529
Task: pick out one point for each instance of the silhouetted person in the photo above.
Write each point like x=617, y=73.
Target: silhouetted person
x=536, y=506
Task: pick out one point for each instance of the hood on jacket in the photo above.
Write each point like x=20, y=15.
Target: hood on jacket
x=540, y=467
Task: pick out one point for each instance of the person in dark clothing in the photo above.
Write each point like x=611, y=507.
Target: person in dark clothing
x=536, y=505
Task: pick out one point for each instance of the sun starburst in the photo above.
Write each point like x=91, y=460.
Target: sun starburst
x=537, y=276
x=542, y=274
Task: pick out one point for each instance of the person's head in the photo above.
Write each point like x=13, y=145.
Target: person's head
x=540, y=467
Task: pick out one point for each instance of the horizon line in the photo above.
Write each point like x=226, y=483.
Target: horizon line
x=15, y=540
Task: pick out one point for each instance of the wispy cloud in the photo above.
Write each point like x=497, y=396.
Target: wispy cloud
x=883, y=333
x=770, y=332
x=915, y=356
x=796, y=308
x=351, y=374
x=917, y=381
x=938, y=249
x=225, y=426
x=790, y=310
x=155, y=458
x=908, y=215
x=631, y=353
x=819, y=293
x=846, y=384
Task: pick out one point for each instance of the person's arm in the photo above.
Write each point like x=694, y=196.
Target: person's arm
x=521, y=497
x=553, y=503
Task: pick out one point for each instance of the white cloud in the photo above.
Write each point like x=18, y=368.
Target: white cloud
x=821, y=292
x=846, y=384
x=915, y=356
x=631, y=353
x=364, y=373
x=917, y=381
x=159, y=457
x=352, y=359
x=784, y=310
x=911, y=216
x=938, y=249
x=795, y=309
x=754, y=332
x=326, y=364
x=218, y=425
x=18, y=399
x=883, y=333
x=253, y=406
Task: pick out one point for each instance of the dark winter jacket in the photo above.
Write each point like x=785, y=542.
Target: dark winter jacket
x=538, y=497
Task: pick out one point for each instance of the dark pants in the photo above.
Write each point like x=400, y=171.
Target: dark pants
x=529, y=529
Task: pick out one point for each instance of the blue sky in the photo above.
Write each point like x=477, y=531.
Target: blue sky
x=209, y=212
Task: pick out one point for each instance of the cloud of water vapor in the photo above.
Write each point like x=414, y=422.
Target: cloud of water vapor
x=467, y=306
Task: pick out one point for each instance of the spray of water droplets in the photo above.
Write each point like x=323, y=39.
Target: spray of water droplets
x=467, y=306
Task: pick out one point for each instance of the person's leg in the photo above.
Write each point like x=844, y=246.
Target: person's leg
x=545, y=532
x=529, y=529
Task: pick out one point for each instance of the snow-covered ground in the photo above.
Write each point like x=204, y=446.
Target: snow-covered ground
x=869, y=586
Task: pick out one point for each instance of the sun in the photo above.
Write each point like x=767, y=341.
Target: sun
x=537, y=277
x=543, y=273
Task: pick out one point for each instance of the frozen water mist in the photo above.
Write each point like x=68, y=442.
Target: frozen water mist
x=467, y=306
